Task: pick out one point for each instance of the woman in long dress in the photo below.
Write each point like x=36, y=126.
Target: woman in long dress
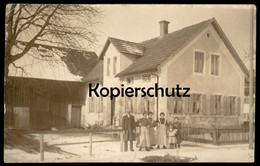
x=161, y=133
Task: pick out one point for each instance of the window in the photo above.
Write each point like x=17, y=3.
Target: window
x=146, y=105
x=92, y=104
x=130, y=80
x=176, y=105
x=129, y=103
x=246, y=100
x=199, y=62
x=217, y=104
x=101, y=105
x=114, y=65
x=146, y=77
x=196, y=104
x=215, y=65
x=231, y=103
x=108, y=66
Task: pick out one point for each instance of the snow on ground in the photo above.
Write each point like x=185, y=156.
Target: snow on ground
x=107, y=149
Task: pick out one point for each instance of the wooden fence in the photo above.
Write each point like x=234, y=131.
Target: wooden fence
x=90, y=132
x=216, y=135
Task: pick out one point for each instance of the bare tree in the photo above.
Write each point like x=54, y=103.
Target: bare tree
x=62, y=25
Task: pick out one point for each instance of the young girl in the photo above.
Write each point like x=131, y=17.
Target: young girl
x=172, y=137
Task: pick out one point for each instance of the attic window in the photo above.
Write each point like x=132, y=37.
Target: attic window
x=208, y=35
x=130, y=80
x=146, y=77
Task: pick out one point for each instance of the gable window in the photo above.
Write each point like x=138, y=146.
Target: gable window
x=196, y=104
x=108, y=66
x=146, y=77
x=199, y=62
x=215, y=64
x=114, y=65
x=130, y=80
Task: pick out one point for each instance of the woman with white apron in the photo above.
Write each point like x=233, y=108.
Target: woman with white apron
x=161, y=132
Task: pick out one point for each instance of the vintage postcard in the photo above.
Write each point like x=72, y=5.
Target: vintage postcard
x=129, y=83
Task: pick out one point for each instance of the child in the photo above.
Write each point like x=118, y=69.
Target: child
x=172, y=137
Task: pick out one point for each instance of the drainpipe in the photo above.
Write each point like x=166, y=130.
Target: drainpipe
x=157, y=103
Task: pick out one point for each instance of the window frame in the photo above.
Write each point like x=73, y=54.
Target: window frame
x=219, y=68
x=221, y=103
x=114, y=65
x=108, y=66
x=204, y=61
x=147, y=75
x=129, y=77
x=201, y=104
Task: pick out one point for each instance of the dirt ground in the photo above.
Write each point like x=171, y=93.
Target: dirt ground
x=74, y=147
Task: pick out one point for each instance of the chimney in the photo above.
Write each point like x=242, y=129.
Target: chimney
x=163, y=28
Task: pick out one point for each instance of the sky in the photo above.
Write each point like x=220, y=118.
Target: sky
x=137, y=23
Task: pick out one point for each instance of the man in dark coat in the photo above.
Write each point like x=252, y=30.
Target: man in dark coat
x=128, y=127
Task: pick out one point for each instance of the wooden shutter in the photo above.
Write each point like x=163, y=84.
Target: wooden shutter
x=238, y=106
x=186, y=105
x=151, y=104
x=228, y=106
x=212, y=104
x=170, y=104
x=190, y=104
x=139, y=104
x=142, y=104
x=204, y=107
x=134, y=99
x=224, y=105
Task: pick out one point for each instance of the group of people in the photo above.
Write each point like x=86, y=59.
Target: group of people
x=149, y=132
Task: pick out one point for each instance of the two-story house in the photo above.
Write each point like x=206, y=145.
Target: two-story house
x=198, y=56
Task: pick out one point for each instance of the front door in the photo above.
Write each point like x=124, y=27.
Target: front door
x=75, y=116
x=21, y=117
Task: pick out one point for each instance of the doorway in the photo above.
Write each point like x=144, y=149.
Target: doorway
x=76, y=116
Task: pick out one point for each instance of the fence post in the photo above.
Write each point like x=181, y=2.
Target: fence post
x=121, y=141
x=90, y=144
x=41, y=147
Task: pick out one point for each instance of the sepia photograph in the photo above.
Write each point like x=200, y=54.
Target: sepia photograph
x=134, y=83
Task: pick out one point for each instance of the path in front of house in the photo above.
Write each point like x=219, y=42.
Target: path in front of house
x=76, y=149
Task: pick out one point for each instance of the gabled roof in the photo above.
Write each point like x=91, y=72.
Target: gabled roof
x=96, y=74
x=54, y=63
x=159, y=49
x=123, y=46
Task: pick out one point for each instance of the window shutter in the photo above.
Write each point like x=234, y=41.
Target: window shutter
x=190, y=104
x=139, y=104
x=134, y=104
x=224, y=105
x=151, y=104
x=186, y=105
x=212, y=104
x=170, y=105
x=204, y=109
x=238, y=105
x=221, y=106
x=228, y=105
x=142, y=104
